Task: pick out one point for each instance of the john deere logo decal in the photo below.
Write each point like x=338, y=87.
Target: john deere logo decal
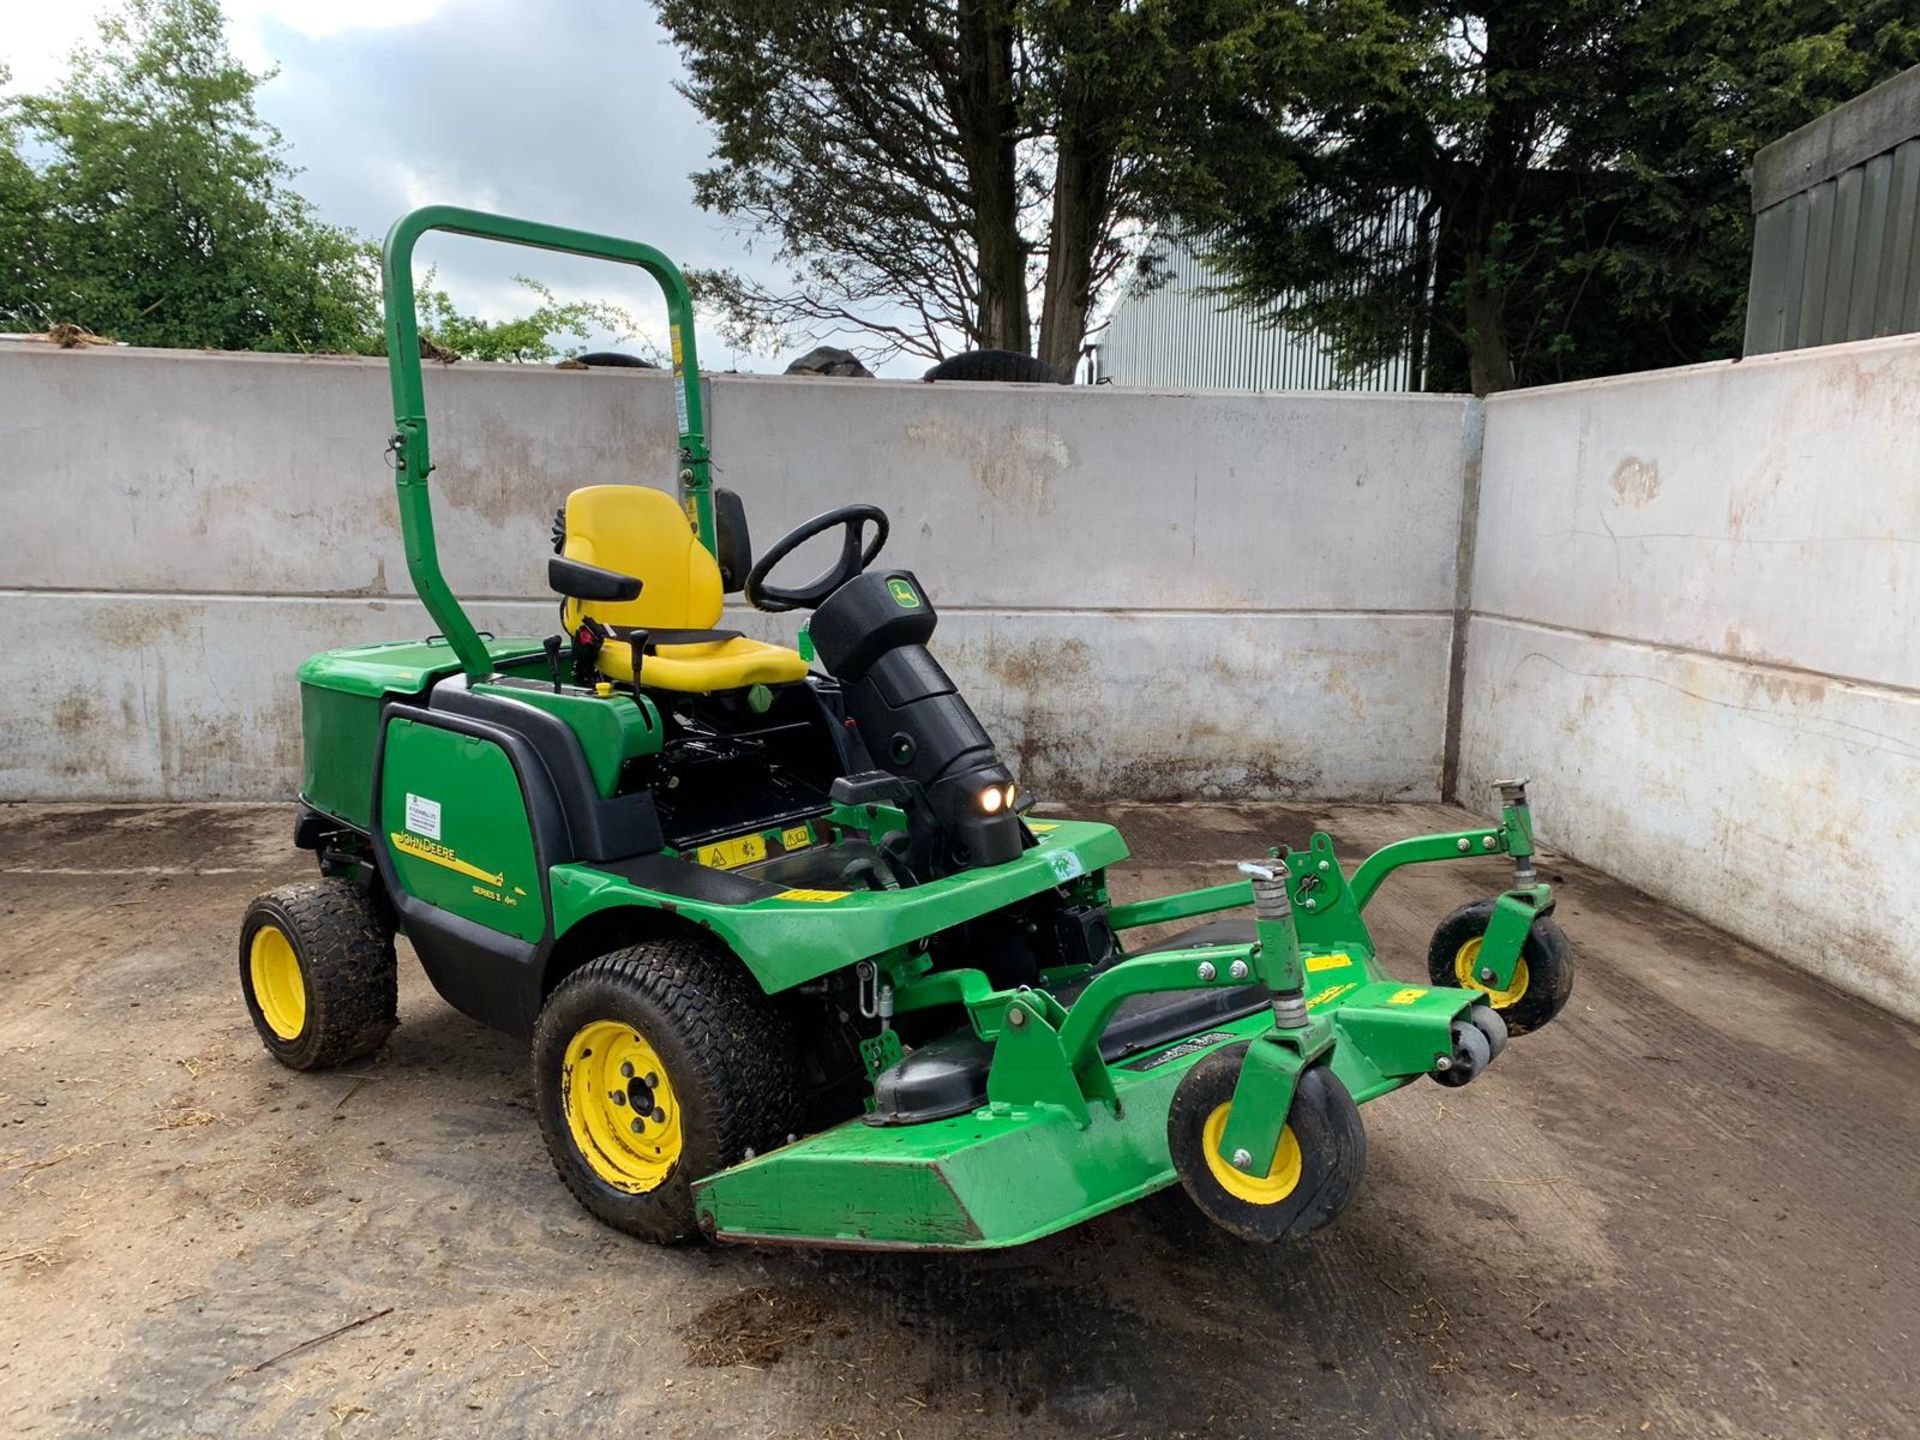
x=903, y=594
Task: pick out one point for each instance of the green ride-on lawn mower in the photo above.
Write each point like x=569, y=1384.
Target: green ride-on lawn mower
x=796, y=961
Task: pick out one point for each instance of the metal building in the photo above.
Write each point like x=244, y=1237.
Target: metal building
x=1177, y=336
x=1836, y=239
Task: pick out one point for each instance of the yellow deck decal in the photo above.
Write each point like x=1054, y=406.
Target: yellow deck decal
x=1339, y=960
x=1407, y=996
x=796, y=838
x=1325, y=995
x=1041, y=827
x=439, y=855
x=731, y=854
x=814, y=897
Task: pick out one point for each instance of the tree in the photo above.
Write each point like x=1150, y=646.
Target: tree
x=163, y=213
x=166, y=213
x=528, y=338
x=921, y=168
x=22, y=219
x=1578, y=168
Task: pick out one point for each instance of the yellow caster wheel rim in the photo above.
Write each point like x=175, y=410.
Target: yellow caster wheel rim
x=279, y=989
x=621, y=1107
x=1280, y=1180
x=1466, y=969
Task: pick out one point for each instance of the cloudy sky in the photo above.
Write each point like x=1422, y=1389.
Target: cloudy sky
x=559, y=110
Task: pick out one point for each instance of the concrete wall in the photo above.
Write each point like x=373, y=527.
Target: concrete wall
x=1145, y=594
x=1696, y=623
x=1690, y=607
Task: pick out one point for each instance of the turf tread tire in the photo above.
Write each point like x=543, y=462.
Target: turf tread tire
x=727, y=1051
x=346, y=965
x=1548, y=953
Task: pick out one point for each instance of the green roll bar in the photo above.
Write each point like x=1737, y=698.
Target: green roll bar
x=412, y=459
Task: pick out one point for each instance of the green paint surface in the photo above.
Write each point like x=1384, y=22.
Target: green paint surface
x=456, y=827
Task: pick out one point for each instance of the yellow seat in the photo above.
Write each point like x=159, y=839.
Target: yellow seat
x=642, y=532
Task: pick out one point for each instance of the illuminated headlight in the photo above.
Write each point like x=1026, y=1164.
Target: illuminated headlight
x=996, y=798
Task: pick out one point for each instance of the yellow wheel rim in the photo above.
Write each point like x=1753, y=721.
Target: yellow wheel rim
x=1466, y=969
x=1280, y=1180
x=621, y=1108
x=279, y=989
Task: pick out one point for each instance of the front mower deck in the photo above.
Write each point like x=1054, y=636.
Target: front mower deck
x=943, y=1184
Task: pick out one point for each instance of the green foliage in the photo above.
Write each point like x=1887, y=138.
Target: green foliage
x=528, y=338
x=159, y=209
x=923, y=170
x=1580, y=166
x=164, y=210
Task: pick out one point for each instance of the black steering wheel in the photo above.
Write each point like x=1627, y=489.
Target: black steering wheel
x=853, y=559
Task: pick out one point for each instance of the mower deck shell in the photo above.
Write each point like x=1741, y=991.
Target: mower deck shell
x=943, y=1184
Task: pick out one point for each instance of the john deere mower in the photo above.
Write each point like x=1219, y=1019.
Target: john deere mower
x=797, y=959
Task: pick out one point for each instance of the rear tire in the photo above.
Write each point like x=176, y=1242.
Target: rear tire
x=655, y=1066
x=318, y=975
x=1007, y=366
x=1322, y=1153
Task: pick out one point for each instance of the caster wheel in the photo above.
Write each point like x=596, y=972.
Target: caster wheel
x=317, y=973
x=1472, y=1053
x=1487, y=1021
x=1317, y=1166
x=1542, y=981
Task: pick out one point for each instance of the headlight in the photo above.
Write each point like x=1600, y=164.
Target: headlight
x=991, y=799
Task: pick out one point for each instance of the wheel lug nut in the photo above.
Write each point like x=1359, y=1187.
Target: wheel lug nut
x=659, y=1117
x=626, y=1069
x=639, y=1126
x=618, y=1097
x=653, y=1079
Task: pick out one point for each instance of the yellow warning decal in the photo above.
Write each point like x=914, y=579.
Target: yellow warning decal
x=1339, y=960
x=1041, y=827
x=692, y=507
x=797, y=837
x=440, y=855
x=1325, y=995
x=1407, y=996
x=731, y=854
x=815, y=897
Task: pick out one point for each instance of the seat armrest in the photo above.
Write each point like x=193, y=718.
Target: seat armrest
x=578, y=580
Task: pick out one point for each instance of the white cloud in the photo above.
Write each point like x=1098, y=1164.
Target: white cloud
x=38, y=37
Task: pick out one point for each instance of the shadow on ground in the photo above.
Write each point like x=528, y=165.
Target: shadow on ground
x=1690, y=1208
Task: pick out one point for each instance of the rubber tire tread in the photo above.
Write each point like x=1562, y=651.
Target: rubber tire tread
x=1326, y=1124
x=728, y=1053
x=346, y=964
x=1548, y=954
x=1006, y=366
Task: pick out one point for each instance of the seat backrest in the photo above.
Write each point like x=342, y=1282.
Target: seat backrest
x=642, y=532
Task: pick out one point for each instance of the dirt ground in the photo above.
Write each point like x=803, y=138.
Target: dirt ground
x=1690, y=1208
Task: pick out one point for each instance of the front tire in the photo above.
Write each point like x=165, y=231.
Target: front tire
x=655, y=1066
x=1317, y=1166
x=318, y=975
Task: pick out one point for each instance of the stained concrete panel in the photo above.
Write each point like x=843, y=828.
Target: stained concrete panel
x=1767, y=510
x=1778, y=806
